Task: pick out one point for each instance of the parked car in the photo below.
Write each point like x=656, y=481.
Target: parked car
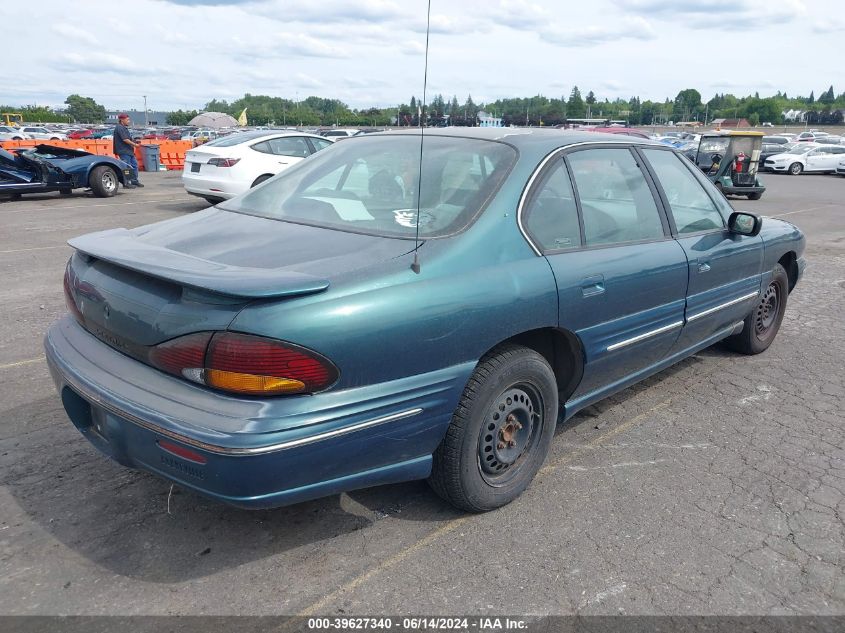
x=772, y=149
x=840, y=167
x=79, y=134
x=776, y=140
x=339, y=133
x=809, y=157
x=810, y=136
x=622, y=130
x=364, y=319
x=42, y=133
x=47, y=168
x=230, y=165
x=10, y=133
x=200, y=136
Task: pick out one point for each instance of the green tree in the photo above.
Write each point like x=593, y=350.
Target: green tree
x=827, y=97
x=591, y=98
x=85, y=109
x=575, y=108
x=181, y=117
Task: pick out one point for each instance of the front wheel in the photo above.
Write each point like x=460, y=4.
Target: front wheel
x=103, y=181
x=796, y=168
x=761, y=326
x=500, y=433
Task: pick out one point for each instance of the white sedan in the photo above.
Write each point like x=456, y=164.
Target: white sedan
x=43, y=133
x=809, y=157
x=233, y=164
x=9, y=133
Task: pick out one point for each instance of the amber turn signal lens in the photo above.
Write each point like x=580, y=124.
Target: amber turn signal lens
x=251, y=384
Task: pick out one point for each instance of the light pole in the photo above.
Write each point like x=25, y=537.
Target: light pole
x=146, y=122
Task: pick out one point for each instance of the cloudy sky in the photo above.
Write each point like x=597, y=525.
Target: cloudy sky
x=183, y=53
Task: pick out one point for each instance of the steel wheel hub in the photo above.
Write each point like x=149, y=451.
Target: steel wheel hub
x=767, y=311
x=108, y=181
x=508, y=431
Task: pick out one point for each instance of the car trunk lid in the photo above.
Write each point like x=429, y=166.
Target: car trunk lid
x=148, y=285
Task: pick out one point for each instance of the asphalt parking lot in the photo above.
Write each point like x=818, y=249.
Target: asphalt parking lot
x=715, y=487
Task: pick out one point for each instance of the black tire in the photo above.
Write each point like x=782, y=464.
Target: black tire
x=795, y=169
x=500, y=433
x=755, y=196
x=213, y=199
x=260, y=179
x=761, y=326
x=103, y=181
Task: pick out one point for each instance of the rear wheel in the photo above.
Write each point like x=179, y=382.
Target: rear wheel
x=500, y=433
x=761, y=326
x=755, y=196
x=213, y=199
x=103, y=181
x=796, y=168
x=261, y=179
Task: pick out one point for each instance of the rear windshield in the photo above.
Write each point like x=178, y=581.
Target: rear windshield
x=237, y=139
x=372, y=185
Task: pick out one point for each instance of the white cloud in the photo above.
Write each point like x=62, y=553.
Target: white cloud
x=731, y=15
x=636, y=28
x=828, y=26
x=75, y=33
x=93, y=62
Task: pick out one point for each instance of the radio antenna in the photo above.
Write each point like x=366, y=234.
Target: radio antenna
x=420, y=110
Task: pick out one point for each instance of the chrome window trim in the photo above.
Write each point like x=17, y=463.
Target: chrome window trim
x=630, y=142
x=750, y=295
x=230, y=451
x=641, y=337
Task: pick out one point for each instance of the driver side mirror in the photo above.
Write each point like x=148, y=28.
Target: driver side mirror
x=745, y=223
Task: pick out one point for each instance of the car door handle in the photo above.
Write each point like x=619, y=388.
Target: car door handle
x=591, y=286
x=704, y=267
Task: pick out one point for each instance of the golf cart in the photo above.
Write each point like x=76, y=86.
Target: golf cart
x=730, y=159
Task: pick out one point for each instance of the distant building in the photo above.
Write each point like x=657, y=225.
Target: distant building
x=486, y=120
x=136, y=117
x=732, y=123
x=794, y=116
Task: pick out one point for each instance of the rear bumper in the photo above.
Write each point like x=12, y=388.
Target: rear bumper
x=249, y=452
x=212, y=187
x=742, y=191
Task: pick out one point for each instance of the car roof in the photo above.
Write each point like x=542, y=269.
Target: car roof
x=537, y=139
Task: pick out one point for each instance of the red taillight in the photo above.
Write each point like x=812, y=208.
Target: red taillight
x=70, y=302
x=223, y=162
x=181, y=353
x=242, y=363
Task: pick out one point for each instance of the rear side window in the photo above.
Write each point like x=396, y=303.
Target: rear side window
x=320, y=143
x=290, y=146
x=691, y=207
x=551, y=216
x=616, y=203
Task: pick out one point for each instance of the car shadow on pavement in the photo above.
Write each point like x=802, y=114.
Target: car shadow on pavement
x=139, y=526
x=135, y=525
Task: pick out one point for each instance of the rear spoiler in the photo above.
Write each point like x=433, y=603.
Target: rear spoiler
x=123, y=248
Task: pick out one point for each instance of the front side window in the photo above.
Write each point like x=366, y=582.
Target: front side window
x=616, y=203
x=374, y=185
x=691, y=207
